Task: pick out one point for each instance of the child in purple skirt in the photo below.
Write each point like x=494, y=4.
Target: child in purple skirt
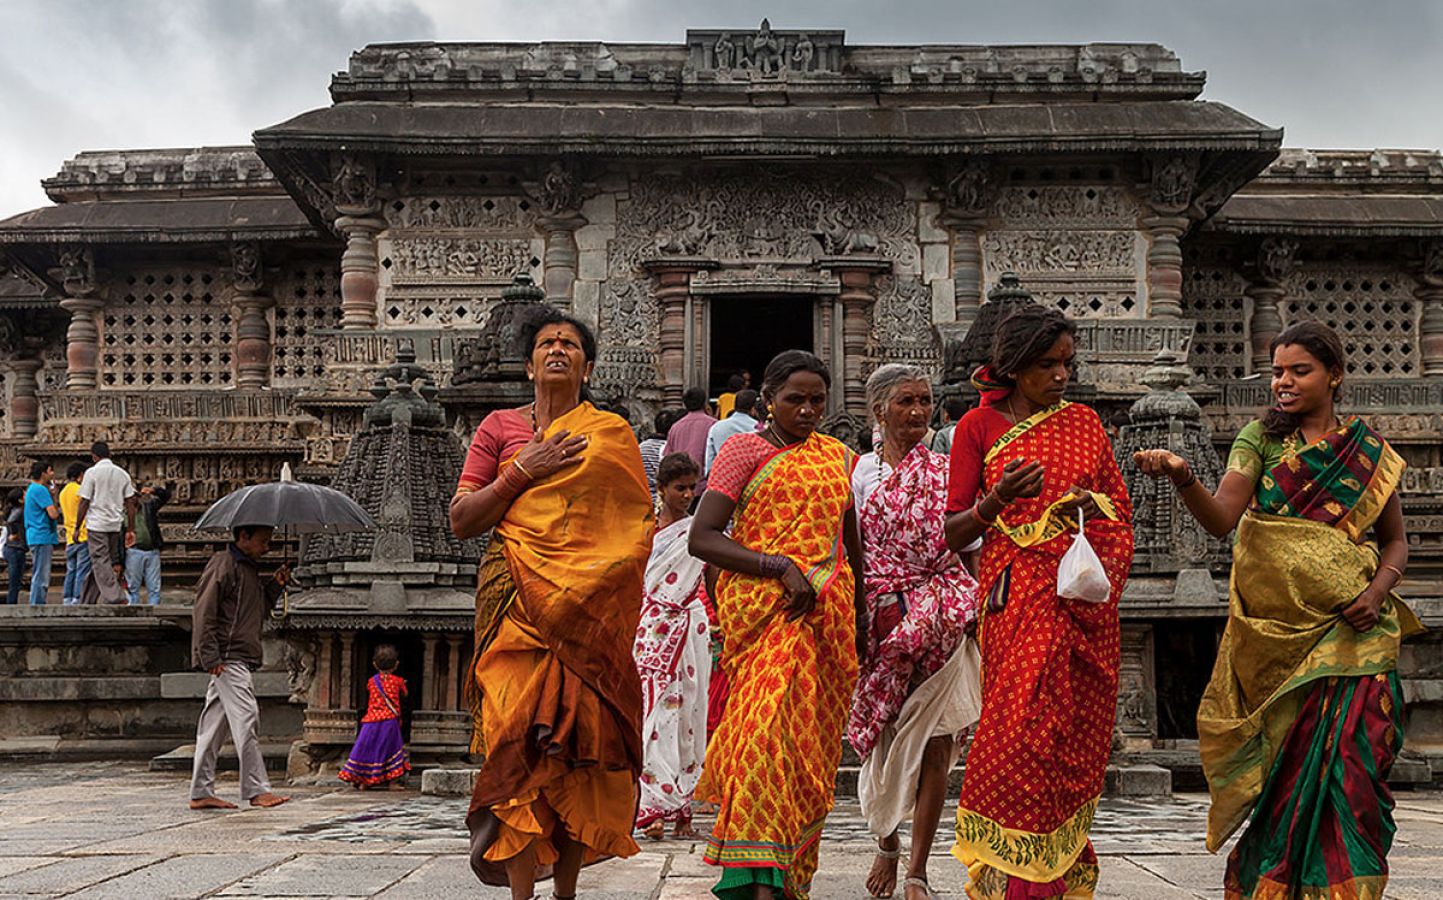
x=379, y=755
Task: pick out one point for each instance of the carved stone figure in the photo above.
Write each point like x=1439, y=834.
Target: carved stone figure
x=838, y=233
x=77, y=271
x=1276, y=258
x=300, y=669
x=764, y=50
x=1172, y=184
x=725, y=51
x=560, y=190
x=1432, y=269
x=804, y=54
x=355, y=185
x=685, y=235
x=246, y=263
x=967, y=190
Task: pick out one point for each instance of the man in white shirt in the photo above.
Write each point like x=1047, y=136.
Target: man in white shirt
x=740, y=421
x=107, y=507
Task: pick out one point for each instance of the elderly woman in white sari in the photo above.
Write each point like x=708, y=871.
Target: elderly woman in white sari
x=673, y=657
x=920, y=685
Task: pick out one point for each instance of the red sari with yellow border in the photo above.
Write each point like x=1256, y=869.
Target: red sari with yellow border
x=1049, y=670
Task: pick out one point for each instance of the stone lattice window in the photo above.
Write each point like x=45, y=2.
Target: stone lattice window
x=168, y=328
x=1371, y=308
x=1212, y=295
x=308, y=301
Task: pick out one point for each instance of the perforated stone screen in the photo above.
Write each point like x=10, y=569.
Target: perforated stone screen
x=1372, y=308
x=167, y=328
x=1212, y=295
x=308, y=300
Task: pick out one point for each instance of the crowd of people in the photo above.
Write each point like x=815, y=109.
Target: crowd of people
x=110, y=532
x=704, y=616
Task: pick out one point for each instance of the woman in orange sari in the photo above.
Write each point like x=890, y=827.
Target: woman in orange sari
x=788, y=607
x=555, y=694
x=1024, y=465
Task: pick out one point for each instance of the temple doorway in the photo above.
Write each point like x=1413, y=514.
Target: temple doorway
x=746, y=332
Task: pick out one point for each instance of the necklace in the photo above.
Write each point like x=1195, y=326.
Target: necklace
x=533, y=416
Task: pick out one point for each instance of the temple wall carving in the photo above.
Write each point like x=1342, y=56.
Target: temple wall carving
x=166, y=327
x=1212, y=296
x=308, y=304
x=1371, y=306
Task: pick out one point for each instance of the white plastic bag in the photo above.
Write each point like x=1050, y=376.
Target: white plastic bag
x=1080, y=575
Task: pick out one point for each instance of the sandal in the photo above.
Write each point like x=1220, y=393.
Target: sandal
x=918, y=882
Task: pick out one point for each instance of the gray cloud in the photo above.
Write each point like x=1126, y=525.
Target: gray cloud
x=95, y=74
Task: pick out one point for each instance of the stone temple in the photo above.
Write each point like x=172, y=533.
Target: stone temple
x=215, y=312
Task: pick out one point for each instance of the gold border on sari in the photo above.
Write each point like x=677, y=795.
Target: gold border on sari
x=1025, y=854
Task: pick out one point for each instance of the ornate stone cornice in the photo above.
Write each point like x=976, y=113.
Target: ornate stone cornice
x=125, y=173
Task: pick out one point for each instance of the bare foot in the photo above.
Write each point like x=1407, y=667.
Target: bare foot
x=882, y=880
x=396, y=785
x=211, y=803
x=267, y=800
x=655, y=831
x=916, y=889
x=684, y=830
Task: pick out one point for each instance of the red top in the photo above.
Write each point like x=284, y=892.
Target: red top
x=976, y=432
x=377, y=709
x=736, y=462
x=500, y=436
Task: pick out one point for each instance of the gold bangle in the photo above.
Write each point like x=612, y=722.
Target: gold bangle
x=516, y=464
x=1395, y=570
x=977, y=511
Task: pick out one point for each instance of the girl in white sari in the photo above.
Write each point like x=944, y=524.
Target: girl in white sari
x=673, y=657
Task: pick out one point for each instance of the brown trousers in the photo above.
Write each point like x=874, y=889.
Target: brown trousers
x=106, y=552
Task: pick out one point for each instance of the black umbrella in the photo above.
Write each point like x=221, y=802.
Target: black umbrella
x=290, y=506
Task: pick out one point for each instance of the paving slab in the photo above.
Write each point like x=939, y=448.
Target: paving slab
x=182, y=877
x=67, y=875
x=336, y=876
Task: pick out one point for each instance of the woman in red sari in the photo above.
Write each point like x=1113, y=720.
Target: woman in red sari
x=788, y=606
x=1024, y=465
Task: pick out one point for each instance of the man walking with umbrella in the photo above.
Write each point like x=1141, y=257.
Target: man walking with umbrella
x=231, y=605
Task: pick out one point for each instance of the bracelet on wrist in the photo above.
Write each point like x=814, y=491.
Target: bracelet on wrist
x=1187, y=482
x=772, y=566
x=525, y=473
x=981, y=516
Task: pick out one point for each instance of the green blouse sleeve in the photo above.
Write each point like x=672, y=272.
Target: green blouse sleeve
x=1249, y=452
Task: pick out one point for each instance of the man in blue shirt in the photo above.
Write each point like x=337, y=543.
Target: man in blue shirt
x=741, y=420
x=41, y=512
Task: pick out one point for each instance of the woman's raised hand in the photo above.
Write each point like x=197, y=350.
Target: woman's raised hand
x=543, y=456
x=1020, y=480
x=1159, y=463
x=800, y=595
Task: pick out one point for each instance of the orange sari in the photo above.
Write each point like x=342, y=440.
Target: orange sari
x=1049, y=670
x=772, y=763
x=555, y=693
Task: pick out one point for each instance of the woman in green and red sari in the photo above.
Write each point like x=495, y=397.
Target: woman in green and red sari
x=1303, y=716
x=1024, y=465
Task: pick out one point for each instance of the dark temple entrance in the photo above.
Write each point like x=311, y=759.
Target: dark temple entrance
x=746, y=332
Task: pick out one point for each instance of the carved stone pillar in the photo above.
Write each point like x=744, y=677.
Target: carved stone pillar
x=431, y=673
x=325, y=673
x=253, y=331
x=453, y=673
x=1164, y=265
x=558, y=262
x=82, y=342
x=24, y=399
x=1430, y=297
x=673, y=287
x=856, y=274
x=964, y=207
x=1174, y=179
x=348, y=687
x=1274, y=262
x=360, y=275
x=358, y=218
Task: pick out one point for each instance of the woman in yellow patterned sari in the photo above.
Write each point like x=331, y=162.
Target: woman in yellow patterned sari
x=788, y=606
x=1304, y=716
x=555, y=694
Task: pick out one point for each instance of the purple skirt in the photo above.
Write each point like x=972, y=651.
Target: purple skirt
x=379, y=754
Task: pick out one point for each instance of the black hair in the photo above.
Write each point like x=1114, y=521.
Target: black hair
x=674, y=466
x=386, y=658
x=545, y=315
x=241, y=531
x=789, y=362
x=14, y=498
x=746, y=401
x=622, y=411
x=667, y=418
x=694, y=399
x=736, y=383
x=75, y=470
x=955, y=407
x=38, y=468
x=1326, y=347
x=1024, y=337
x=100, y=450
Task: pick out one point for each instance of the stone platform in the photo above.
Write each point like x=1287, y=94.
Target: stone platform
x=118, y=830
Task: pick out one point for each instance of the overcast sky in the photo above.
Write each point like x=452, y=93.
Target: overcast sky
x=102, y=74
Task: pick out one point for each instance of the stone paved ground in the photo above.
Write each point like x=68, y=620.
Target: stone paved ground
x=118, y=830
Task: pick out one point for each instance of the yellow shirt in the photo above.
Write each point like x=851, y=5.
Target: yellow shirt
x=725, y=404
x=70, y=511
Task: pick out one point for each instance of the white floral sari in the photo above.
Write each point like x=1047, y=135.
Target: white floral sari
x=674, y=660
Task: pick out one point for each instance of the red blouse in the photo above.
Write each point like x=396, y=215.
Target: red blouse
x=976, y=432
x=500, y=436
x=394, y=687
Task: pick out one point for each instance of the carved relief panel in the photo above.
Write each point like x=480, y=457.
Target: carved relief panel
x=166, y=328
x=1372, y=308
x=902, y=321
x=1075, y=247
x=445, y=258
